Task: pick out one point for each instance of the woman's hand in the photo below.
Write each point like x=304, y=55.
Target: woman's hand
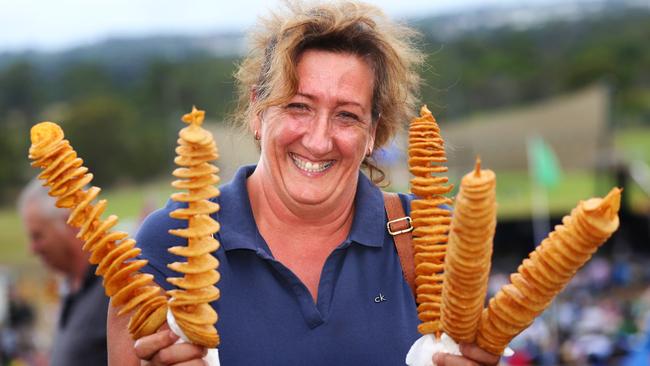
x=160, y=349
x=155, y=349
x=472, y=356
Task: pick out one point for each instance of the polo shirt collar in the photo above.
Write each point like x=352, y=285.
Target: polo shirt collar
x=369, y=223
x=239, y=230
x=238, y=227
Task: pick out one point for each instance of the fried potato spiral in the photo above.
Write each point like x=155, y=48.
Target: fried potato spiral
x=547, y=270
x=191, y=303
x=469, y=254
x=113, y=252
x=426, y=153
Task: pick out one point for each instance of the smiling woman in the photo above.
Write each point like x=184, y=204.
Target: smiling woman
x=313, y=145
x=310, y=274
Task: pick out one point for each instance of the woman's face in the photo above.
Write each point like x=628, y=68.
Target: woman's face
x=313, y=146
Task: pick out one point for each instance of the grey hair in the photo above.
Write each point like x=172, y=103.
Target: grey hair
x=34, y=192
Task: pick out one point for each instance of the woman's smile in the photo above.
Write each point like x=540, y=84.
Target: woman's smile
x=310, y=166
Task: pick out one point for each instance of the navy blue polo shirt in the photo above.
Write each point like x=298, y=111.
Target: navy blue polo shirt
x=365, y=313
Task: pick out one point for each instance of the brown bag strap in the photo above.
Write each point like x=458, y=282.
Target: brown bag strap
x=399, y=226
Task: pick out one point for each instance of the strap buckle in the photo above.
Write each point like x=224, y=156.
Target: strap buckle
x=408, y=228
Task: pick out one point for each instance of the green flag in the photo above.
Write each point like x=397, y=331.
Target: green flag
x=543, y=163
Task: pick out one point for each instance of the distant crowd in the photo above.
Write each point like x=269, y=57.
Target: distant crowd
x=601, y=318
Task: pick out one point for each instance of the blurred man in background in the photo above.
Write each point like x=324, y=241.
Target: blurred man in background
x=80, y=337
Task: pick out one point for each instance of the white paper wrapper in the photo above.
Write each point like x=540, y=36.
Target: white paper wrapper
x=422, y=351
x=212, y=358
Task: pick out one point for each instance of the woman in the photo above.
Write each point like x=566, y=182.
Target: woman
x=309, y=273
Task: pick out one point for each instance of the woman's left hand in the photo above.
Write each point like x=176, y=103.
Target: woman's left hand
x=472, y=356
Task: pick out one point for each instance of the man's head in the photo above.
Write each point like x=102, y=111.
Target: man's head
x=49, y=236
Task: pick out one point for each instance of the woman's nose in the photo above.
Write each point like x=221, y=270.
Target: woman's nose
x=317, y=139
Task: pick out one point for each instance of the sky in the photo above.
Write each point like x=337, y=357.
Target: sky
x=55, y=25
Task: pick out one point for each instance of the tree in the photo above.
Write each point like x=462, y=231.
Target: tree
x=106, y=132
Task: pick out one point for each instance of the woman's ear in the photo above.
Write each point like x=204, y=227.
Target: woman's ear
x=373, y=132
x=256, y=126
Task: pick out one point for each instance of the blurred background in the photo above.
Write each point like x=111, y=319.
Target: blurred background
x=553, y=95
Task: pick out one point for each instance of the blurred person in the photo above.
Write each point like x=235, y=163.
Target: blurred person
x=304, y=247
x=496, y=282
x=21, y=323
x=640, y=354
x=80, y=336
x=639, y=344
x=599, y=270
x=594, y=348
x=4, y=296
x=622, y=270
x=17, y=343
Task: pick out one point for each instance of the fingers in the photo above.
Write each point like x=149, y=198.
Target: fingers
x=474, y=352
x=193, y=363
x=147, y=347
x=180, y=354
x=446, y=359
x=473, y=355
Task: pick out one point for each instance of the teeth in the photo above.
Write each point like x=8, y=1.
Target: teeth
x=310, y=167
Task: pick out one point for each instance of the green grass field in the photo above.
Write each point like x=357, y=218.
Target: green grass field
x=515, y=193
x=634, y=143
x=13, y=249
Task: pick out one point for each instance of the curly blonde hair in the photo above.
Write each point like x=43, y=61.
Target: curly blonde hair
x=269, y=70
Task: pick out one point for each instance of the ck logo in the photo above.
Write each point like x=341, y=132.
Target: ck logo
x=380, y=298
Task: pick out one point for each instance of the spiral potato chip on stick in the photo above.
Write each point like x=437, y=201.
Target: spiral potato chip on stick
x=430, y=221
x=191, y=303
x=469, y=253
x=547, y=270
x=112, y=251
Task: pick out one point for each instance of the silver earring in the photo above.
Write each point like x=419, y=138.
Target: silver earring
x=257, y=135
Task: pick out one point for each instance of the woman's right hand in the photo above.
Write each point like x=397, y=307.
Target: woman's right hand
x=160, y=348
x=472, y=355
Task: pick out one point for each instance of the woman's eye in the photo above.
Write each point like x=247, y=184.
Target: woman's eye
x=297, y=106
x=348, y=116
